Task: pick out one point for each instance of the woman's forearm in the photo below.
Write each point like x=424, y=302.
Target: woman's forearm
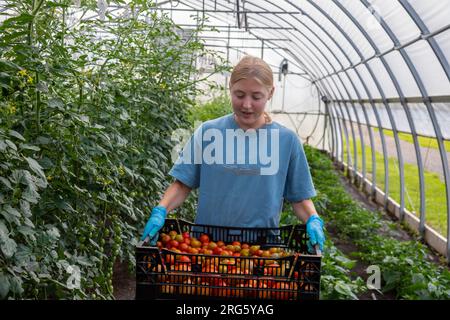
x=304, y=209
x=174, y=196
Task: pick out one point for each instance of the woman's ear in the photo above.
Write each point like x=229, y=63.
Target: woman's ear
x=271, y=92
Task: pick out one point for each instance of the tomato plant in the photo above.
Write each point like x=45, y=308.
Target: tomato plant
x=87, y=109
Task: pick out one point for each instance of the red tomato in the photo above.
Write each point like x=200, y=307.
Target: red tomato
x=220, y=244
x=165, y=238
x=217, y=250
x=193, y=250
x=185, y=259
x=212, y=245
x=204, y=238
x=172, y=234
x=195, y=243
x=183, y=247
x=186, y=235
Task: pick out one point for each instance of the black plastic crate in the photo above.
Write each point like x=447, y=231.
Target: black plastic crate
x=292, y=275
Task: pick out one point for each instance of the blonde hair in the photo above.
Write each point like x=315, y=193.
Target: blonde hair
x=250, y=67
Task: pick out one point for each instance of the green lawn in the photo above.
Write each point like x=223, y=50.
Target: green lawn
x=435, y=200
x=423, y=141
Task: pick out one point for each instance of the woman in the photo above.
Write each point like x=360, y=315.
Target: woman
x=244, y=165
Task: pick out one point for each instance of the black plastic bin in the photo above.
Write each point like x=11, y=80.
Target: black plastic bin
x=294, y=275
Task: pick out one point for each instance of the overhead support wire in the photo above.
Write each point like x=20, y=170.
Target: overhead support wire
x=265, y=27
x=238, y=30
x=223, y=11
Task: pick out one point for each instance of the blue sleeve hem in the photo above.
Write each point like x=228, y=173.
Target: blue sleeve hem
x=184, y=180
x=302, y=197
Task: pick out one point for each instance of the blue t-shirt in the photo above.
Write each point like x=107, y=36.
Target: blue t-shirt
x=243, y=176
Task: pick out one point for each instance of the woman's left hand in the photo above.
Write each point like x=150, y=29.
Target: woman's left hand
x=314, y=229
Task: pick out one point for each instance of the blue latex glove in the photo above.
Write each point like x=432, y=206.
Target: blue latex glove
x=154, y=223
x=314, y=229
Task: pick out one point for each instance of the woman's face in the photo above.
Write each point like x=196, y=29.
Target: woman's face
x=249, y=98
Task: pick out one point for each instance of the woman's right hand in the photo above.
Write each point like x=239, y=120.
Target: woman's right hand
x=154, y=224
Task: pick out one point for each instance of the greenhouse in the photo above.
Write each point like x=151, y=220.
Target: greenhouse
x=99, y=97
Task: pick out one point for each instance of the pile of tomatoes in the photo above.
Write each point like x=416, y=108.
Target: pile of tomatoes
x=226, y=269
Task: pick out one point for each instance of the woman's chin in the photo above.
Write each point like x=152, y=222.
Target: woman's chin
x=248, y=121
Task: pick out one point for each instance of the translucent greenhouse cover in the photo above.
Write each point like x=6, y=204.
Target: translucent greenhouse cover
x=357, y=54
x=367, y=53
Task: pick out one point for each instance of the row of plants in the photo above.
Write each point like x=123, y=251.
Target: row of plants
x=337, y=280
x=87, y=110
x=406, y=266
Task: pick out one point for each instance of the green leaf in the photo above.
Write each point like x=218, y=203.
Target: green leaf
x=25, y=208
x=9, y=38
x=26, y=231
x=63, y=205
x=3, y=231
x=30, y=194
x=4, y=285
x=53, y=233
x=55, y=4
x=43, y=140
x=3, y=145
x=17, y=135
x=10, y=218
x=42, y=86
x=8, y=247
x=29, y=147
x=28, y=222
x=4, y=64
x=11, y=145
x=84, y=261
x=16, y=285
x=349, y=264
x=36, y=167
x=345, y=290
x=24, y=18
x=56, y=103
x=12, y=211
x=6, y=182
x=102, y=196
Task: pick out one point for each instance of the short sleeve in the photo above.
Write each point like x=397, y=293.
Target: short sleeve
x=299, y=185
x=188, y=165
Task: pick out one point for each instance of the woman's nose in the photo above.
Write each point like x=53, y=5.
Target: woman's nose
x=247, y=103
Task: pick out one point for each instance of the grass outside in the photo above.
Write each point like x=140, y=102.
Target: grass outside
x=424, y=142
x=435, y=199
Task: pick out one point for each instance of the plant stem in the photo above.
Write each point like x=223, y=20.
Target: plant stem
x=63, y=31
x=38, y=104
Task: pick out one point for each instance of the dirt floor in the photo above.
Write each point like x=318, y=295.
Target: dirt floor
x=123, y=282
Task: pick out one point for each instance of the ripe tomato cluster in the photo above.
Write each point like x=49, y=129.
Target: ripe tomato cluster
x=236, y=260
x=184, y=243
